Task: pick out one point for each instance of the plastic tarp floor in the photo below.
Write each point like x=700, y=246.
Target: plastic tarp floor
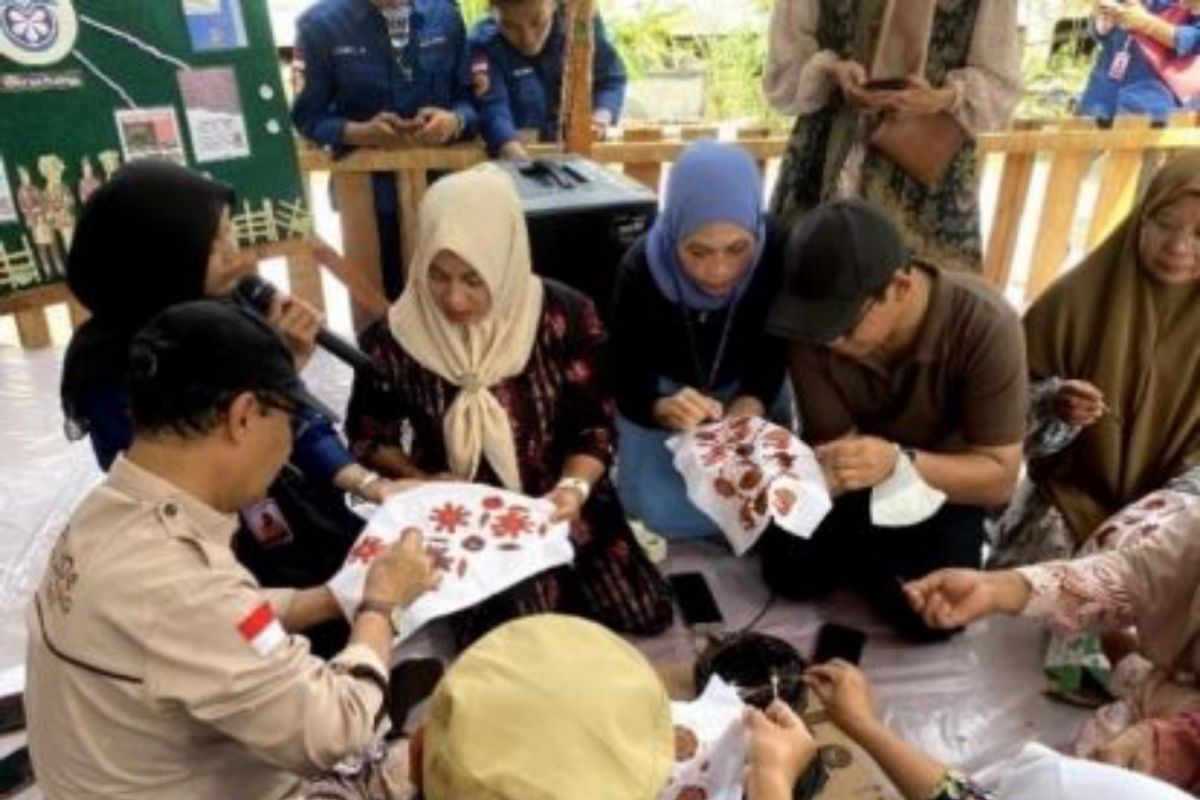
x=972, y=701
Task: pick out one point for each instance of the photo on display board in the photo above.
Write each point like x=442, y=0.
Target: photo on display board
x=8, y=208
x=150, y=133
x=215, y=120
x=215, y=24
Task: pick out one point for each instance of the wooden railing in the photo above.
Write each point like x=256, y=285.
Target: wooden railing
x=1046, y=164
x=1071, y=156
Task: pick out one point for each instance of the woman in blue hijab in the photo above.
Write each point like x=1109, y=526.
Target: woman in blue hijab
x=688, y=344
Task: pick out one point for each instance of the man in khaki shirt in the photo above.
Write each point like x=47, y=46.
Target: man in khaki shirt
x=912, y=384
x=157, y=666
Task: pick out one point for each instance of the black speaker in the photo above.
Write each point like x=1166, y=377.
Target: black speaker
x=582, y=218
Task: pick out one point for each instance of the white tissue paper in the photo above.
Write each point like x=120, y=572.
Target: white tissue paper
x=746, y=473
x=485, y=540
x=710, y=746
x=905, y=498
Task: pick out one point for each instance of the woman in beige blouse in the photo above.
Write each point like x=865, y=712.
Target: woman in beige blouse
x=844, y=68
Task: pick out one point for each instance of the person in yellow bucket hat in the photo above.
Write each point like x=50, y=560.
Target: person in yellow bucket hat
x=581, y=714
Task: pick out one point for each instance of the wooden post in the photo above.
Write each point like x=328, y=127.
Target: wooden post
x=304, y=276
x=1058, y=213
x=648, y=174
x=411, y=186
x=758, y=131
x=1118, y=189
x=577, y=77
x=32, y=328
x=1006, y=224
x=692, y=133
x=355, y=198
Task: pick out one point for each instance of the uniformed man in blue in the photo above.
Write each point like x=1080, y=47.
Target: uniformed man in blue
x=517, y=58
x=383, y=73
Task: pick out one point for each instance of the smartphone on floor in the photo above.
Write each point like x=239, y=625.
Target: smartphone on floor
x=839, y=641
x=696, y=602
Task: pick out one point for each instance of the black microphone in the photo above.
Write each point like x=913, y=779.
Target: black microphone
x=257, y=294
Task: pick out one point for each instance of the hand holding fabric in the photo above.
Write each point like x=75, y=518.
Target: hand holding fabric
x=686, y=409
x=746, y=406
x=568, y=504
x=781, y=748
x=857, y=462
x=402, y=573
x=1079, y=403
x=845, y=693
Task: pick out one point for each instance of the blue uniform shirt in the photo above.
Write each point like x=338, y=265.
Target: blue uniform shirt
x=514, y=92
x=1140, y=90
x=352, y=73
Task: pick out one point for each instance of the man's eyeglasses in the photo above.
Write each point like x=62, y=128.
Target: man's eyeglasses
x=862, y=316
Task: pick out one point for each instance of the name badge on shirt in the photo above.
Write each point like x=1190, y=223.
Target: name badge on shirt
x=349, y=51
x=521, y=72
x=433, y=41
x=1119, y=66
x=267, y=524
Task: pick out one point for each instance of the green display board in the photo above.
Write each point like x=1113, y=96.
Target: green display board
x=89, y=84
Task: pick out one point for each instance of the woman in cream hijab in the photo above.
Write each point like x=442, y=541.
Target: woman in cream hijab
x=488, y=373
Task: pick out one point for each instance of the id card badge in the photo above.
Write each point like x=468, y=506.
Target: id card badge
x=267, y=524
x=1119, y=66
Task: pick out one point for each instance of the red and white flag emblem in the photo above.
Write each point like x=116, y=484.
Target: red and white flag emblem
x=262, y=630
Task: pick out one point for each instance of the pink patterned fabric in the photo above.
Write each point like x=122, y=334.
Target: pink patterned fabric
x=1073, y=596
x=1090, y=593
x=1094, y=593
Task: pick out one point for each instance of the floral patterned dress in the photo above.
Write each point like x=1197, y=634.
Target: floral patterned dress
x=1088, y=595
x=558, y=407
x=941, y=223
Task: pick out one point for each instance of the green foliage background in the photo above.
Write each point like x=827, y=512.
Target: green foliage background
x=656, y=39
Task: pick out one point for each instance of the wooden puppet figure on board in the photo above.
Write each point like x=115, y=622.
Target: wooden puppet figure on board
x=60, y=202
x=32, y=203
x=88, y=182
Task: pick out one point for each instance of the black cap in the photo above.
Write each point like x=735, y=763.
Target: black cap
x=837, y=257
x=220, y=345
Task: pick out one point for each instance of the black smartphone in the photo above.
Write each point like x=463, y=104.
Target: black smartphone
x=16, y=772
x=696, y=601
x=886, y=85
x=12, y=713
x=839, y=641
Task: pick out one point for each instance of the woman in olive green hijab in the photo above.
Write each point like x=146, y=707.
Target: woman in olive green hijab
x=1114, y=347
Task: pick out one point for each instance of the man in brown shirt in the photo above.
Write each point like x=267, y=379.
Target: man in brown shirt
x=157, y=666
x=912, y=385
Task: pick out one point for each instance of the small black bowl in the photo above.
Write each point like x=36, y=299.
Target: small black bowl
x=747, y=661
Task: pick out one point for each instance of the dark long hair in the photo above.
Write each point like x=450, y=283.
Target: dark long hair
x=143, y=243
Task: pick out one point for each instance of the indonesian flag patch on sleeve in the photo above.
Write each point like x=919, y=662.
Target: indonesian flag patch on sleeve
x=262, y=630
